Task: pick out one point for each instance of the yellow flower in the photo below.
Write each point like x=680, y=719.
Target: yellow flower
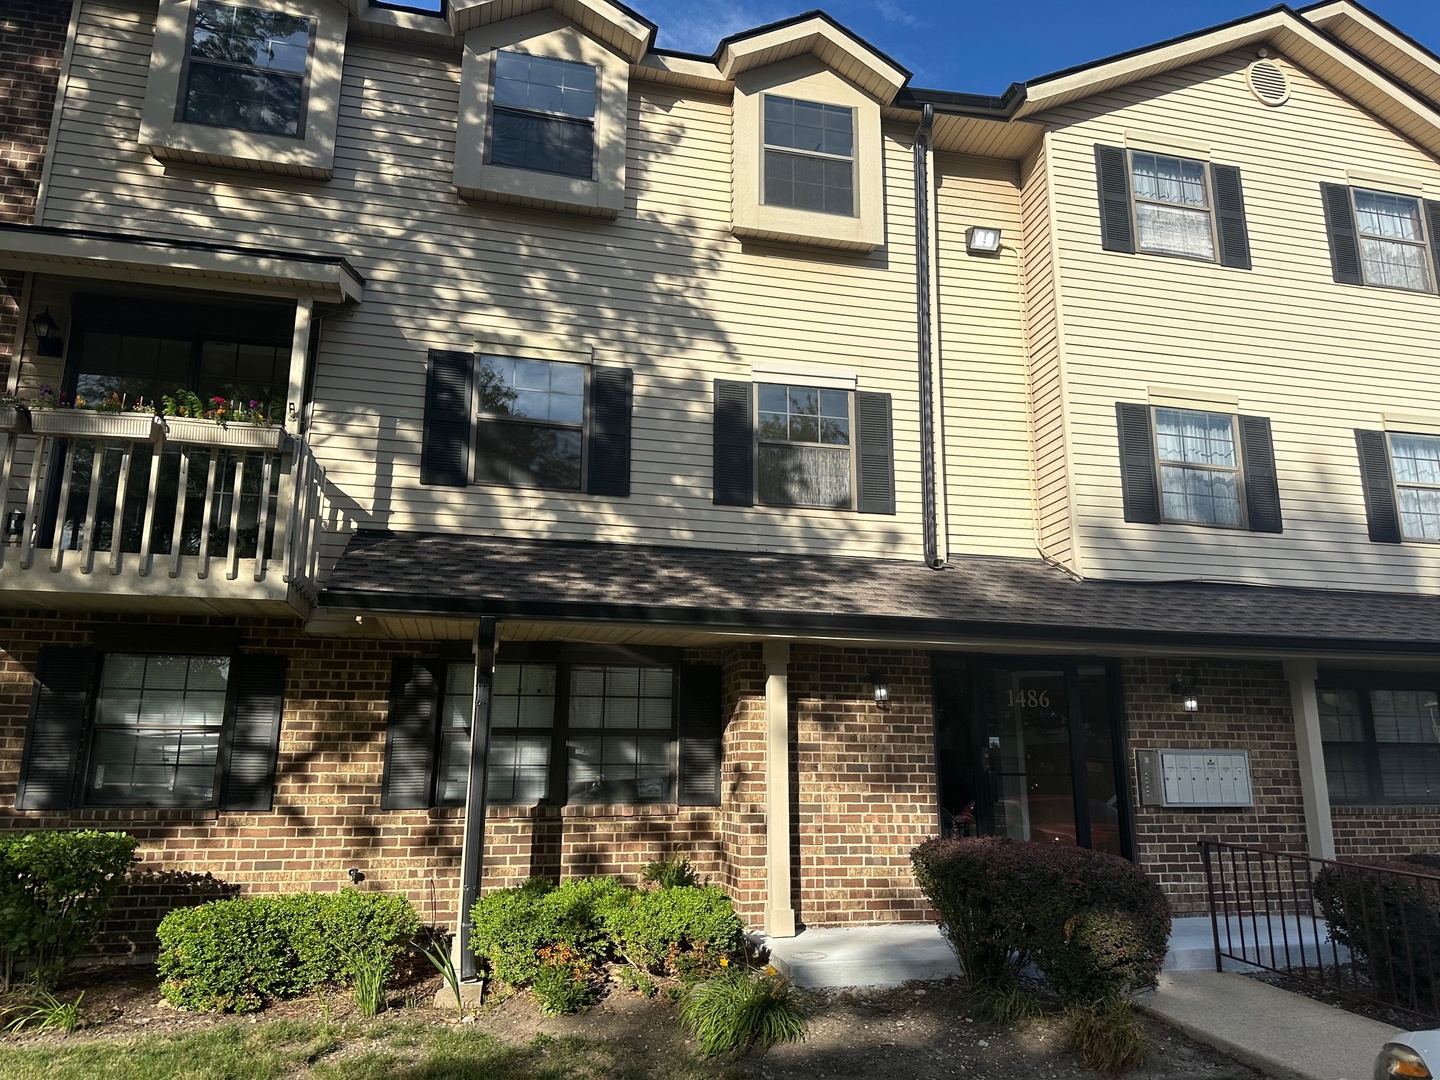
x=724, y=961
x=770, y=970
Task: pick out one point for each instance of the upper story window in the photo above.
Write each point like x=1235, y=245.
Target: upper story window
x=531, y=427
x=1199, y=467
x=804, y=447
x=809, y=155
x=1415, y=460
x=1195, y=466
x=1381, y=743
x=1172, y=206
x=1392, y=240
x=544, y=115
x=246, y=69
x=1169, y=204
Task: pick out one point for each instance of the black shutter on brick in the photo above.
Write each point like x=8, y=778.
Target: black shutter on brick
x=1262, y=485
x=1432, y=222
x=57, y=722
x=445, y=452
x=410, y=736
x=1340, y=225
x=876, y=446
x=611, y=395
x=701, y=729
x=1137, y=464
x=258, y=684
x=1112, y=177
x=1380, y=511
x=734, y=439
x=1230, y=217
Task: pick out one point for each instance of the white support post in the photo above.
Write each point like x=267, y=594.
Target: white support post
x=299, y=360
x=1314, y=789
x=779, y=915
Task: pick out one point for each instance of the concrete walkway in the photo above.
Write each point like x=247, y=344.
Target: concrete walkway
x=864, y=956
x=1284, y=1035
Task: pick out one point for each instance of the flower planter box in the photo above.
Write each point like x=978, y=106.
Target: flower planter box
x=85, y=424
x=235, y=435
x=14, y=420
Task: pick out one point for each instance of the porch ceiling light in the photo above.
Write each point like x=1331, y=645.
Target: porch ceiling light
x=1184, y=689
x=882, y=688
x=982, y=240
x=47, y=335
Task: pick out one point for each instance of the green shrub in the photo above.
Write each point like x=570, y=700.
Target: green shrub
x=39, y=1010
x=1385, y=915
x=739, y=1009
x=670, y=874
x=370, y=970
x=234, y=955
x=1107, y=1035
x=509, y=927
x=55, y=891
x=673, y=931
x=1095, y=925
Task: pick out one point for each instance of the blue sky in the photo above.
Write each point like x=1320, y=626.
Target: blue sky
x=981, y=46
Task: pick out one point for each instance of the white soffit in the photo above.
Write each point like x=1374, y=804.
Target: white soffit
x=846, y=54
x=1382, y=45
x=607, y=22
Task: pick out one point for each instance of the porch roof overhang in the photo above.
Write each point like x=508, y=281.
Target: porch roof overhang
x=1008, y=601
x=180, y=263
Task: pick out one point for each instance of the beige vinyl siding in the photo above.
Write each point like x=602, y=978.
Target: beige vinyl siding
x=984, y=422
x=665, y=290
x=1319, y=359
x=1051, y=510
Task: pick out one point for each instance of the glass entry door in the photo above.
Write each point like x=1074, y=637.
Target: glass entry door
x=1031, y=749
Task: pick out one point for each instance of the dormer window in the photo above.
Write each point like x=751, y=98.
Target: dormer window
x=809, y=156
x=544, y=115
x=246, y=69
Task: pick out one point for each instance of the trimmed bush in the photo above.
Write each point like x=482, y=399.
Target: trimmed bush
x=1389, y=919
x=55, y=890
x=673, y=931
x=1095, y=925
x=235, y=955
x=511, y=926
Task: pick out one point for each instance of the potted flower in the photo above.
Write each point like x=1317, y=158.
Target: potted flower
x=241, y=425
x=115, y=417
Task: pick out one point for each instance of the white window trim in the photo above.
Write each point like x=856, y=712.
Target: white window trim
x=1208, y=209
x=1424, y=243
x=1238, y=469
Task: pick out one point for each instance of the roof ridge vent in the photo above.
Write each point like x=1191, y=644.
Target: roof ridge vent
x=1268, y=82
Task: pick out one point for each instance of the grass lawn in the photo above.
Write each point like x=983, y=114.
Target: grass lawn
x=382, y=1050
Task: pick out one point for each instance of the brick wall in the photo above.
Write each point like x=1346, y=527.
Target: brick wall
x=1384, y=831
x=32, y=39
x=1244, y=706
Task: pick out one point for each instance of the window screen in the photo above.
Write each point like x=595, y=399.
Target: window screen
x=804, y=454
x=531, y=423
x=157, y=728
x=1392, y=240
x=1199, y=467
x=544, y=115
x=1172, y=206
x=809, y=156
x=246, y=69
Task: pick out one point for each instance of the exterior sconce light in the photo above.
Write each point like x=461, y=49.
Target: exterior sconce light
x=882, y=689
x=982, y=240
x=355, y=875
x=47, y=335
x=1184, y=689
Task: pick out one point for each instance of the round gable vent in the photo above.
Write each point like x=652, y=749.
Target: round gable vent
x=1268, y=82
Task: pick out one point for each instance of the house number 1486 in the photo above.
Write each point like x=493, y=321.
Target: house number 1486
x=1029, y=699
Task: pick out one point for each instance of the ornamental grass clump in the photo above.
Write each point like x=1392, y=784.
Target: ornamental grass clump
x=739, y=1009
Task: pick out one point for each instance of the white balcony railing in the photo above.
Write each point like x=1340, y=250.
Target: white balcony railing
x=218, y=512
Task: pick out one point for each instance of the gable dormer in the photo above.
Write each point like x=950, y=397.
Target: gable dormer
x=807, y=155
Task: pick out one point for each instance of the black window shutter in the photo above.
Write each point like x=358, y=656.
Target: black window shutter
x=57, y=722
x=701, y=730
x=611, y=393
x=734, y=439
x=1344, y=244
x=876, y=444
x=445, y=453
x=1230, y=217
x=1380, y=511
x=1262, y=485
x=1137, y=464
x=410, y=736
x=1432, y=222
x=259, y=689
x=1112, y=177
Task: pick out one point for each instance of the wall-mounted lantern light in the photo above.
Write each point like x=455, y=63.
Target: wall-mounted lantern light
x=882, y=688
x=47, y=335
x=982, y=240
x=1183, y=687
